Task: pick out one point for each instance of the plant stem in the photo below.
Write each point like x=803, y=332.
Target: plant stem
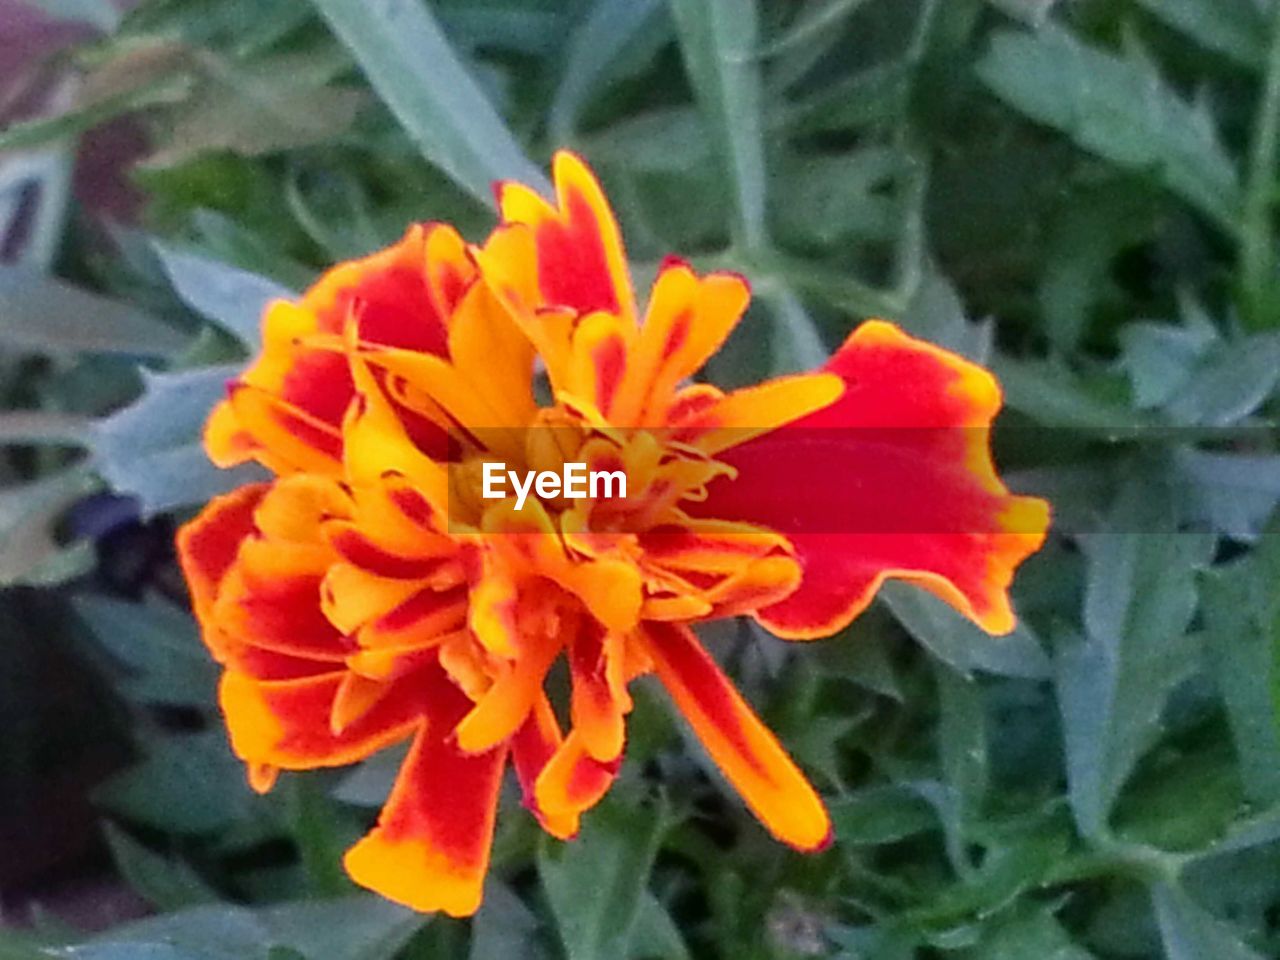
x=1257, y=262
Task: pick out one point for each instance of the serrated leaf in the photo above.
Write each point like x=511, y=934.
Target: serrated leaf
x=956, y=641
x=1119, y=109
x=410, y=64
x=596, y=884
x=1189, y=932
x=224, y=294
x=152, y=448
x=39, y=314
x=1114, y=681
x=718, y=39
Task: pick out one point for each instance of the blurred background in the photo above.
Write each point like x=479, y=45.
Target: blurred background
x=1078, y=194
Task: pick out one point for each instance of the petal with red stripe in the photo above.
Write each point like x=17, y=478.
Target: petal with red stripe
x=430, y=849
x=742, y=747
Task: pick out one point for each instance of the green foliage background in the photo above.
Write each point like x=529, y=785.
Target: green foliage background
x=1079, y=194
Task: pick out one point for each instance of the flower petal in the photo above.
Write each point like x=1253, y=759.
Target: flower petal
x=744, y=749
x=897, y=481
x=207, y=546
x=581, y=263
x=430, y=849
x=287, y=723
x=532, y=748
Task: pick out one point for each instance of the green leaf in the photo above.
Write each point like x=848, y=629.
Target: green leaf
x=825, y=202
x=1113, y=682
x=30, y=552
x=1242, y=637
x=351, y=928
x=1120, y=109
x=1038, y=936
x=1096, y=227
x=1190, y=932
x=39, y=314
x=961, y=644
x=937, y=314
x=410, y=64
x=168, y=884
x=1233, y=494
x=158, y=645
x=1234, y=28
x=597, y=883
x=963, y=739
x=796, y=345
x=224, y=294
x=270, y=106
x=656, y=936
x=319, y=837
x=188, y=784
x=1054, y=397
x=503, y=928
x=152, y=448
x=1230, y=382
x=609, y=33
x=880, y=814
x=1160, y=358
x=718, y=39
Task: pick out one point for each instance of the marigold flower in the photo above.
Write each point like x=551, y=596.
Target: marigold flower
x=370, y=595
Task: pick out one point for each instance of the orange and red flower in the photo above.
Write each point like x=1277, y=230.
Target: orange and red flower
x=369, y=595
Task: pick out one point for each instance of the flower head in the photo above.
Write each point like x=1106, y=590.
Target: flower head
x=371, y=594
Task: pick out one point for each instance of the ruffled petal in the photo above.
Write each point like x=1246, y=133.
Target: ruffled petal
x=207, y=546
x=430, y=849
x=742, y=747
x=290, y=723
x=580, y=260
x=894, y=479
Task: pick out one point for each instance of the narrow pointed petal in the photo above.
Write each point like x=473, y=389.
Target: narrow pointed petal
x=742, y=747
